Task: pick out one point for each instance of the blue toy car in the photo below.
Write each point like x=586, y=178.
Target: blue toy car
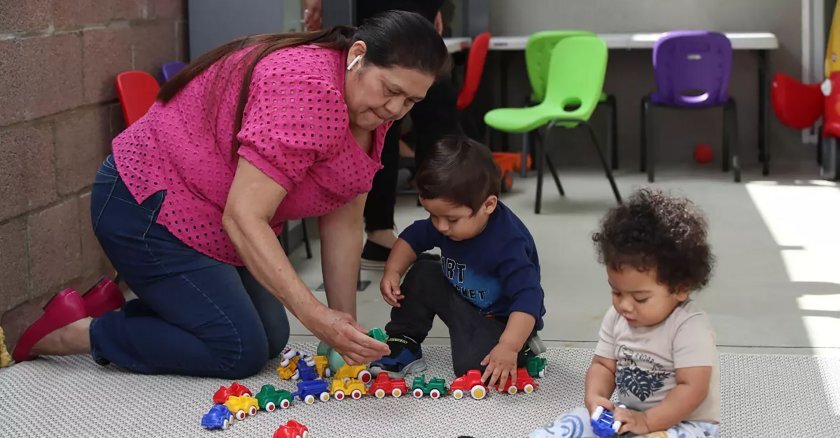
x=603, y=424
x=306, y=369
x=309, y=390
x=219, y=417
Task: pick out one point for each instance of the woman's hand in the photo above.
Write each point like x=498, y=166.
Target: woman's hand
x=390, y=288
x=631, y=421
x=345, y=335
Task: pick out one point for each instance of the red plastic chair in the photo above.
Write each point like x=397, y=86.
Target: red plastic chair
x=474, y=69
x=137, y=91
x=796, y=104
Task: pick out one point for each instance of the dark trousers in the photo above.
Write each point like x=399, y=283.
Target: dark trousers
x=428, y=293
x=194, y=315
x=432, y=118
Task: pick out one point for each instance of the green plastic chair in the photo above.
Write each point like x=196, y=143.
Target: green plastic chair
x=537, y=56
x=575, y=79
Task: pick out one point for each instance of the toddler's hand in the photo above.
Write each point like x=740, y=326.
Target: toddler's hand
x=631, y=421
x=594, y=402
x=500, y=363
x=390, y=288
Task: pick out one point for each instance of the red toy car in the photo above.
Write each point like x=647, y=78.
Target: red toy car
x=292, y=429
x=235, y=389
x=470, y=382
x=524, y=382
x=384, y=385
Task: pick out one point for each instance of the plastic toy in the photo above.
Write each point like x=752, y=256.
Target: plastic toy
x=306, y=369
x=242, y=406
x=309, y=390
x=435, y=387
x=341, y=387
x=703, y=153
x=218, y=417
x=471, y=381
x=354, y=372
x=524, y=382
x=536, y=366
x=292, y=429
x=603, y=424
x=334, y=358
x=269, y=398
x=378, y=334
x=384, y=384
x=322, y=366
x=288, y=365
x=508, y=162
x=235, y=389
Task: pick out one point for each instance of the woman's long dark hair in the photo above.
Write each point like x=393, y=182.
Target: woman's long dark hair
x=393, y=39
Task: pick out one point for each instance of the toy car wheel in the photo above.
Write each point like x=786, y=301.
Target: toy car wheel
x=364, y=376
x=270, y=406
x=418, y=393
x=542, y=372
x=284, y=362
x=435, y=394
x=305, y=434
x=356, y=394
x=396, y=392
x=225, y=424
x=290, y=353
x=379, y=393
x=512, y=390
x=284, y=404
x=230, y=420
x=309, y=399
x=246, y=394
x=296, y=375
x=529, y=388
x=339, y=395
x=252, y=410
x=240, y=414
x=477, y=392
x=325, y=396
x=327, y=372
x=457, y=394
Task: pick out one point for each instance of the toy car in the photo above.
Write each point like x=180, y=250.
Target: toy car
x=470, y=382
x=603, y=424
x=322, y=366
x=308, y=390
x=218, y=417
x=524, y=382
x=269, y=398
x=435, y=387
x=235, y=389
x=292, y=429
x=378, y=334
x=353, y=387
x=536, y=366
x=288, y=365
x=354, y=372
x=384, y=384
x=306, y=368
x=242, y=406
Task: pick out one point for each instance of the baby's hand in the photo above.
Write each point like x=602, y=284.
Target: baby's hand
x=594, y=402
x=501, y=363
x=390, y=288
x=631, y=421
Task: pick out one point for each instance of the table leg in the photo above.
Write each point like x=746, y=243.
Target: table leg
x=763, y=150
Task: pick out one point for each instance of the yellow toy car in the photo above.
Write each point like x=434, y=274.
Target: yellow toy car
x=322, y=366
x=242, y=406
x=347, y=386
x=288, y=365
x=354, y=372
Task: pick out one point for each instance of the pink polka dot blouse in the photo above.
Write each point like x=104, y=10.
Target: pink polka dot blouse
x=295, y=129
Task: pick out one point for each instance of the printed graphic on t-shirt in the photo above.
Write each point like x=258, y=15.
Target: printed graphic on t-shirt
x=639, y=381
x=479, y=290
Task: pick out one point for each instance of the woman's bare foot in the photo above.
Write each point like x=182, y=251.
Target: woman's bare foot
x=73, y=338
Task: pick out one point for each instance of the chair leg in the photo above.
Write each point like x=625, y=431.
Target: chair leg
x=733, y=130
x=607, y=169
x=650, y=150
x=554, y=174
x=726, y=150
x=819, y=145
x=612, y=131
x=523, y=170
x=540, y=156
x=642, y=137
x=306, y=238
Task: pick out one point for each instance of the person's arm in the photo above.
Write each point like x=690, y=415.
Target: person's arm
x=251, y=203
x=341, y=245
x=402, y=256
x=312, y=15
x=692, y=388
x=600, y=383
x=501, y=361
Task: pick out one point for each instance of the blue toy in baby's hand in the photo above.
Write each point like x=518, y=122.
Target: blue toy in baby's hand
x=603, y=424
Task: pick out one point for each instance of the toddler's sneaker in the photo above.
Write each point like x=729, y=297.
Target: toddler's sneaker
x=406, y=357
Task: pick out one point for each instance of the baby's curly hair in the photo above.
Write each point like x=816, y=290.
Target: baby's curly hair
x=656, y=231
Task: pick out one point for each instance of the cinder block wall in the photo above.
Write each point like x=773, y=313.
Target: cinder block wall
x=58, y=114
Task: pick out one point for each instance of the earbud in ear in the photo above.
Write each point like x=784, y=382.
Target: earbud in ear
x=353, y=63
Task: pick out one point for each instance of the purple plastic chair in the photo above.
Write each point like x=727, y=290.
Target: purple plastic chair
x=692, y=70
x=170, y=69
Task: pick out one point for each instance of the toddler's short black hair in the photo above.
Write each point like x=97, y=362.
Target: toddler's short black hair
x=459, y=170
x=656, y=231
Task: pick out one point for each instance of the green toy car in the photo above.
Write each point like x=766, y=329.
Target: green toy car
x=435, y=387
x=536, y=366
x=270, y=398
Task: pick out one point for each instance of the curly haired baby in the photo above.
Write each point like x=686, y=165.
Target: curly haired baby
x=656, y=347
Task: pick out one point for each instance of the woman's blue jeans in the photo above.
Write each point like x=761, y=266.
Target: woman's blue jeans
x=194, y=315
